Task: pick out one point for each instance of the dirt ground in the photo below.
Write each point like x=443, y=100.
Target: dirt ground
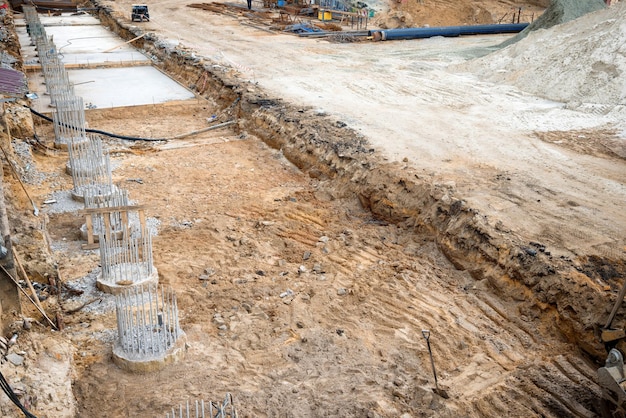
x=294, y=296
x=323, y=304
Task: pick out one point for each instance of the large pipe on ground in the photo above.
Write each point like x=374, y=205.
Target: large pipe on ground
x=447, y=31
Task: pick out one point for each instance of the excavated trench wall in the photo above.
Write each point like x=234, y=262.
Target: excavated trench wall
x=565, y=294
x=10, y=125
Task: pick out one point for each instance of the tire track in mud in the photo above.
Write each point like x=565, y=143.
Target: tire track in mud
x=401, y=307
x=349, y=354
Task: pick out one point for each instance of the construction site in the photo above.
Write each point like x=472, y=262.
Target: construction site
x=311, y=208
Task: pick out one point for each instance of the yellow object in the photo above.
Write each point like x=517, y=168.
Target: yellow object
x=324, y=15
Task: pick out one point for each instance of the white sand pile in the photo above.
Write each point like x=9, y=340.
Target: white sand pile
x=558, y=12
x=582, y=62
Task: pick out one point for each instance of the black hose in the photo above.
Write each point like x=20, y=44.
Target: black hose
x=96, y=131
x=7, y=389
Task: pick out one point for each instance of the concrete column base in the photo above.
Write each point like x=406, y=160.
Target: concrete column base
x=81, y=169
x=117, y=234
x=117, y=288
x=63, y=143
x=136, y=364
x=79, y=194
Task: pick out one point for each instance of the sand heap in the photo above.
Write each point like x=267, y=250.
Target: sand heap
x=559, y=11
x=581, y=63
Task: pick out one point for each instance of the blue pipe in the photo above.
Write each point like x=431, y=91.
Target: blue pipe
x=448, y=31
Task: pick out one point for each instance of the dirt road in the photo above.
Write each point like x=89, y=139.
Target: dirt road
x=510, y=154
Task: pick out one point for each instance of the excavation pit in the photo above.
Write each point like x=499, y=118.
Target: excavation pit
x=391, y=281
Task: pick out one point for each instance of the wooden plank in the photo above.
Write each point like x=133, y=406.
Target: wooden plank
x=142, y=220
x=89, y=225
x=107, y=226
x=111, y=209
x=90, y=246
x=124, y=216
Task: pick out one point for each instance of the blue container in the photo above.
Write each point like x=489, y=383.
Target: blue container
x=281, y=3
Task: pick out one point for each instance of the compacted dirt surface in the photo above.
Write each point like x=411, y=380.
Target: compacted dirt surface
x=311, y=243
x=298, y=301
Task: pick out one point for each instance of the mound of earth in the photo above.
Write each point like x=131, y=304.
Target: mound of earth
x=415, y=13
x=559, y=11
x=581, y=63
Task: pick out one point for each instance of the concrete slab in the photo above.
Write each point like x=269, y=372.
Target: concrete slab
x=81, y=43
x=69, y=19
x=84, y=46
x=115, y=87
x=66, y=19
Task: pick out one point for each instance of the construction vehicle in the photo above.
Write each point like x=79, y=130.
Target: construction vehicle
x=612, y=377
x=140, y=13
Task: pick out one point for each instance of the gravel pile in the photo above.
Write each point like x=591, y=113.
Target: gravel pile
x=26, y=167
x=104, y=302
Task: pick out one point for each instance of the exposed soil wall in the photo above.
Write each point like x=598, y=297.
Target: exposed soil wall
x=569, y=294
x=9, y=298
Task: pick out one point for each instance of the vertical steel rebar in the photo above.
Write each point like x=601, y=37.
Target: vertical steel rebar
x=126, y=259
x=138, y=335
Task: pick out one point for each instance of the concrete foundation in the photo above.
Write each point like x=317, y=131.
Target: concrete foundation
x=78, y=193
x=80, y=169
x=102, y=69
x=138, y=275
x=149, y=334
x=83, y=46
x=63, y=143
x=119, y=87
x=82, y=41
x=137, y=364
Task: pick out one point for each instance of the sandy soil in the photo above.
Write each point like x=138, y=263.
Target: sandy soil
x=323, y=305
x=314, y=307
